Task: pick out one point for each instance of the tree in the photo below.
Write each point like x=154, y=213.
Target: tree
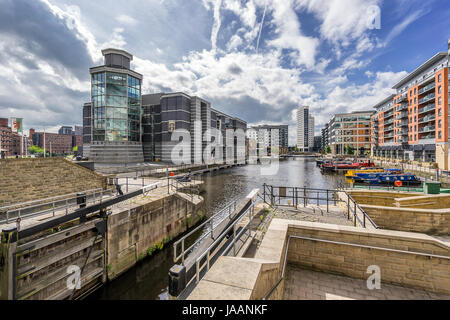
x=349, y=150
x=75, y=149
x=327, y=150
x=35, y=149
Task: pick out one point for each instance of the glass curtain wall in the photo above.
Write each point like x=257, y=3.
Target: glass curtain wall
x=116, y=100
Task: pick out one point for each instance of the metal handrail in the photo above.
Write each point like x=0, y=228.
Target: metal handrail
x=95, y=197
x=349, y=197
x=209, y=221
x=268, y=294
x=346, y=244
x=45, y=199
x=207, y=252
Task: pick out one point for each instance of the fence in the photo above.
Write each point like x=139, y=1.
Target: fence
x=412, y=167
x=64, y=203
x=302, y=196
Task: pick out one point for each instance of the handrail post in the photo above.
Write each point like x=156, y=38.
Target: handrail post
x=327, y=202
x=197, y=269
x=348, y=206
x=67, y=206
x=234, y=241
x=53, y=207
x=182, y=252
x=304, y=197
x=355, y=213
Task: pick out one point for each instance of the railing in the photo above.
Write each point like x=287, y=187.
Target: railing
x=427, y=129
x=51, y=205
x=427, y=119
x=406, y=166
x=426, y=88
x=229, y=208
x=427, y=98
x=427, y=108
x=207, y=254
x=317, y=196
x=356, y=245
x=191, y=188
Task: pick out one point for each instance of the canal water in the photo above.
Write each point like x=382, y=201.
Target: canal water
x=148, y=280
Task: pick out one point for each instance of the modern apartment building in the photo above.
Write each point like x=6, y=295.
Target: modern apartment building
x=350, y=131
x=325, y=137
x=115, y=111
x=267, y=136
x=163, y=113
x=414, y=123
x=305, y=130
x=120, y=125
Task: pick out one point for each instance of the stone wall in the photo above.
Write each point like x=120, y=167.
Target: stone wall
x=401, y=267
x=379, y=198
x=432, y=222
x=131, y=233
x=439, y=201
x=24, y=180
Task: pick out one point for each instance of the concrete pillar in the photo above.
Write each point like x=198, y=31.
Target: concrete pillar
x=442, y=155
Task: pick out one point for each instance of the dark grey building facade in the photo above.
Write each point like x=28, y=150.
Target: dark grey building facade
x=165, y=113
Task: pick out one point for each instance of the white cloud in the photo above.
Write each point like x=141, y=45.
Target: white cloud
x=127, y=20
x=289, y=35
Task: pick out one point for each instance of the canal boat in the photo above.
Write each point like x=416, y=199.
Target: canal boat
x=385, y=178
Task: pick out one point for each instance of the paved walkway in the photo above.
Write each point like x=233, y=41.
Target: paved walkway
x=313, y=213
x=301, y=284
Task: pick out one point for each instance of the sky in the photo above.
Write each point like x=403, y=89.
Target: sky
x=258, y=60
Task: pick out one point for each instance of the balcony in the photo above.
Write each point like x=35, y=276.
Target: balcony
x=427, y=129
x=389, y=114
x=401, y=115
x=427, y=108
x=387, y=136
x=401, y=98
x=389, y=128
x=403, y=124
x=427, y=88
x=427, y=118
x=429, y=97
x=404, y=106
x=389, y=122
x=428, y=137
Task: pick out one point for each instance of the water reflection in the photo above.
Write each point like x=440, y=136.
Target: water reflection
x=148, y=280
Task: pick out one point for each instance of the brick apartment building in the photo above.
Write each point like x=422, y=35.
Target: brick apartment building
x=413, y=124
x=10, y=142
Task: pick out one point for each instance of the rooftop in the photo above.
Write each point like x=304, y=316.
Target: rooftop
x=421, y=69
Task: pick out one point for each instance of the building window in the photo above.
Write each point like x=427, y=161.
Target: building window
x=439, y=112
x=415, y=100
x=439, y=89
x=439, y=78
x=440, y=124
x=440, y=135
x=440, y=101
x=415, y=90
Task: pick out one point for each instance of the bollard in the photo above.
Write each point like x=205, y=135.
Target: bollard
x=177, y=280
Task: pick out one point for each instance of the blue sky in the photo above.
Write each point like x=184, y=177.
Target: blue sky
x=256, y=59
